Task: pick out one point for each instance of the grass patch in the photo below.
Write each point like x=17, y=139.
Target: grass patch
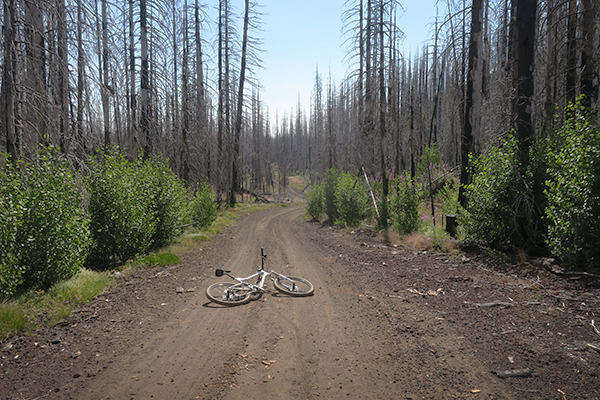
x=33, y=309
x=12, y=318
x=160, y=259
x=81, y=288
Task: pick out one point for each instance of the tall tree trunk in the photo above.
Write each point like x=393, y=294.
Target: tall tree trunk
x=590, y=57
x=368, y=103
x=223, y=89
x=145, y=81
x=175, y=99
x=202, y=123
x=63, y=78
x=80, y=78
x=36, y=70
x=572, y=51
x=331, y=159
x=472, y=88
x=382, y=118
x=8, y=84
x=524, y=17
x=551, y=66
x=240, y=110
x=185, y=168
x=133, y=139
x=104, y=85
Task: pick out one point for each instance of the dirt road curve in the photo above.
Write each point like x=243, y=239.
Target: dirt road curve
x=385, y=323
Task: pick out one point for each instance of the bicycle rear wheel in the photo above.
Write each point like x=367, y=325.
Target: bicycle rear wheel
x=294, y=286
x=225, y=294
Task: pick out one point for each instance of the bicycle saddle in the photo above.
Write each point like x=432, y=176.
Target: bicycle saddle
x=220, y=272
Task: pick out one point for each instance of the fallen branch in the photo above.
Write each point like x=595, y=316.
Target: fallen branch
x=514, y=373
x=491, y=304
x=370, y=191
x=593, y=347
x=428, y=293
x=578, y=273
x=594, y=326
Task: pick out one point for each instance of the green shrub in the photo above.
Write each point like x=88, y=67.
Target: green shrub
x=315, y=201
x=203, y=206
x=351, y=200
x=438, y=237
x=11, y=211
x=573, y=191
x=430, y=166
x=329, y=187
x=405, y=205
x=169, y=200
x=505, y=200
x=53, y=234
x=448, y=195
x=489, y=216
x=121, y=208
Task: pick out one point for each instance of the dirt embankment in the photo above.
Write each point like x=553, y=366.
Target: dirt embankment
x=385, y=322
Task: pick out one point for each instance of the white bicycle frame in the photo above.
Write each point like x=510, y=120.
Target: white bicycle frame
x=246, y=286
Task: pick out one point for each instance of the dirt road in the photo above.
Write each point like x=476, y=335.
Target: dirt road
x=279, y=347
x=384, y=323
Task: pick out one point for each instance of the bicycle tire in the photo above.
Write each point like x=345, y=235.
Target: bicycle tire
x=216, y=293
x=301, y=287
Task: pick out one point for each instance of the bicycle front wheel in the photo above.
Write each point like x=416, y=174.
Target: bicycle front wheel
x=294, y=286
x=227, y=295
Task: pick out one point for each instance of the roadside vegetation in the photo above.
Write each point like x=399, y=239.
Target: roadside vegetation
x=66, y=232
x=346, y=199
x=548, y=208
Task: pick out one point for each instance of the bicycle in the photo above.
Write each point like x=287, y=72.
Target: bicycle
x=233, y=294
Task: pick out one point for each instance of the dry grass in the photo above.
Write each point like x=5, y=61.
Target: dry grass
x=418, y=241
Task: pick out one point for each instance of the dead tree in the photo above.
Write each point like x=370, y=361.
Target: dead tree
x=8, y=84
x=472, y=88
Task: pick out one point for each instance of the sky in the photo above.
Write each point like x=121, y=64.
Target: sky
x=300, y=36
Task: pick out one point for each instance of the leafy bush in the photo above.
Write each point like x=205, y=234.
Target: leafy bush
x=490, y=195
x=351, y=200
x=449, y=196
x=121, y=208
x=329, y=187
x=53, y=234
x=438, y=237
x=11, y=211
x=431, y=166
x=573, y=191
x=169, y=200
x=315, y=201
x=405, y=205
x=203, y=206
x=505, y=200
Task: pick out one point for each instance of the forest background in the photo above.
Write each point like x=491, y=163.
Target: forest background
x=493, y=119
